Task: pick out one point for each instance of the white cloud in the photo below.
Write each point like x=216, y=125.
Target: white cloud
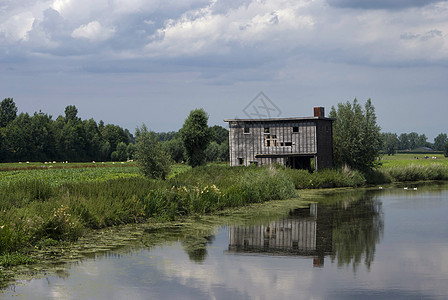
x=202, y=31
x=93, y=31
x=16, y=28
x=80, y=10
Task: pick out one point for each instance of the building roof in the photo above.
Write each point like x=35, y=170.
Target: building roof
x=279, y=119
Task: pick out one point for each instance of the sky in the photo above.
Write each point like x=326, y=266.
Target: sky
x=130, y=62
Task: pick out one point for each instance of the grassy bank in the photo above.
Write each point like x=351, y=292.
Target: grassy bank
x=37, y=211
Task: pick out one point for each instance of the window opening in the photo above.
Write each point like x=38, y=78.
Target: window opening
x=270, y=140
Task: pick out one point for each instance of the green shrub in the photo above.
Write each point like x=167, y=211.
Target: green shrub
x=326, y=178
x=417, y=172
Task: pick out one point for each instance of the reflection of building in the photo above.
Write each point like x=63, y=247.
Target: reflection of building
x=292, y=142
x=301, y=233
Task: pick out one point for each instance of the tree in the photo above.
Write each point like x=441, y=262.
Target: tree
x=175, y=148
x=8, y=111
x=219, y=134
x=121, y=153
x=212, y=152
x=422, y=141
x=445, y=150
x=152, y=159
x=440, y=141
x=413, y=140
x=356, y=136
x=114, y=135
x=131, y=150
x=71, y=113
x=195, y=135
x=390, y=142
x=224, y=154
x=403, y=141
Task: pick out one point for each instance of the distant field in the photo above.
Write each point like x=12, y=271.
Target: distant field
x=60, y=165
x=402, y=160
x=59, y=173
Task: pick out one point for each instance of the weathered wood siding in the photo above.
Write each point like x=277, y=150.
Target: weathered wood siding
x=288, y=142
x=281, y=136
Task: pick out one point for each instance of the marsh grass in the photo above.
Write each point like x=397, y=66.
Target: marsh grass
x=344, y=177
x=417, y=172
x=35, y=210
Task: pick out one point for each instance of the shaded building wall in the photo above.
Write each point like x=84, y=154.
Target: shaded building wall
x=324, y=156
x=284, y=137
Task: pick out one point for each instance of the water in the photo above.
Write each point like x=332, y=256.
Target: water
x=389, y=244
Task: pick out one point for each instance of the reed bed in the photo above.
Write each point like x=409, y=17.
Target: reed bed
x=34, y=210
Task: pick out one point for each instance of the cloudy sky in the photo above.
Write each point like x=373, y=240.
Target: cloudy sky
x=130, y=62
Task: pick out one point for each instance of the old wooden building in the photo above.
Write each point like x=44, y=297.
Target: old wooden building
x=292, y=142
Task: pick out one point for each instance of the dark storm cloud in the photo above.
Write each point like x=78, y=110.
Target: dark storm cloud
x=381, y=4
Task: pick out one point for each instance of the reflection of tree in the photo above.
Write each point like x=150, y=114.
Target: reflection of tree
x=357, y=228
x=196, y=245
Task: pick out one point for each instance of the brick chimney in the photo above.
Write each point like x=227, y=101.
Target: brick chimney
x=319, y=112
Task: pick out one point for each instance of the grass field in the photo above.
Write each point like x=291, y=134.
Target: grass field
x=403, y=160
x=59, y=173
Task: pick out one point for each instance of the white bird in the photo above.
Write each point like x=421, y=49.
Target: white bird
x=380, y=187
x=415, y=189
x=405, y=188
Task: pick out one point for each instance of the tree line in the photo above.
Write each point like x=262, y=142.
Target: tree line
x=411, y=141
x=39, y=137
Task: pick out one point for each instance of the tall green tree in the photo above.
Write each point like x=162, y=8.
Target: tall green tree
x=356, y=135
x=440, y=141
x=390, y=143
x=422, y=141
x=196, y=136
x=152, y=159
x=219, y=134
x=403, y=141
x=413, y=140
x=175, y=148
x=212, y=152
x=8, y=111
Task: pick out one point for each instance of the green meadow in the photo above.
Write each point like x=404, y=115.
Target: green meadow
x=404, y=159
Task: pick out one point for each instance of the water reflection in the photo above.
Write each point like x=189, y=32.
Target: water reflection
x=203, y=260
x=347, y=231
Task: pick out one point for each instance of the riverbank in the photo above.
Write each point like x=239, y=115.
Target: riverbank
x=41, y=213
x=193, y=232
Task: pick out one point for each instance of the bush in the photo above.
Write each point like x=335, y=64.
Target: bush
x=417, y=172
x=152, y=158
x=326, y=178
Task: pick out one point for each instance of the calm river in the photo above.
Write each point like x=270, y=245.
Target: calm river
x=389, y=243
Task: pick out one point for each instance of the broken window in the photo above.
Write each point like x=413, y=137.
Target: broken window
x=266, y=130
x=270, y=140
x=295, y=129
x=246, y=130
x=240, y=161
